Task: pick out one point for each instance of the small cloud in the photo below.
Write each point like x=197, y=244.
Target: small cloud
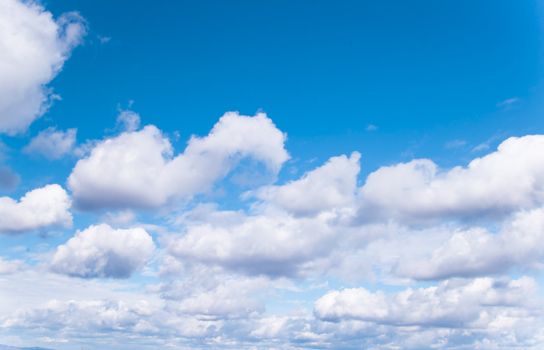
x=128, y=120
x=120, y=218
x=371, y=127
x=508, y=103
x=52, y=143
x=455, y=144
x=104, y=39
x=481, y=147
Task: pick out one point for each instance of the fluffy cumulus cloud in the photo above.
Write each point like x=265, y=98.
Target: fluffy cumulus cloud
x=453, y=304
x=53, y=144
x=477, y=252
x=506, y=180
x=330, y=186
x=40, y=208
x=102, y=251
x=275, y=244
x=34, y=48
x=139, y=168
x=289, y=227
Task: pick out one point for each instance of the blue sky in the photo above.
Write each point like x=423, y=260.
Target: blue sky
x=275, y=174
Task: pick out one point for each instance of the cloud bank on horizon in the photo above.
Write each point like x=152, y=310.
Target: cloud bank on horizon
x=130, y=239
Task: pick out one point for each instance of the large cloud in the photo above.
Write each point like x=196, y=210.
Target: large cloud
x=270, y=245
x=138, y=168
x=289, y=227
x=477, y=252
x=39, y=208
x=507, y=180
x=453, y=304
x=34, y=47
x=101, y=251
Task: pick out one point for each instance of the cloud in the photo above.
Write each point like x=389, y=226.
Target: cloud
x=255, y=245
x=205, y=293
x=139, y=169
x=454, y=304
x=128, y=120
x=52, y=144
x=101, y=251
x=40, y=208
x=499, y=183
x=508, y=103
x=34, y=49
x=10, y=266
x=455, y=144
x=478, y=252
x=330, y=186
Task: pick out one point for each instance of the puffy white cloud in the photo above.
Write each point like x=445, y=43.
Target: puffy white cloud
x=101, y=251
x=52, y=143
x=139, y=169
x=287, y=229
x=477, y=252
x=34, y=47
x=275, y=245
x=507, y=180
x=453, y=303
x=330, y=186
x=39, y=208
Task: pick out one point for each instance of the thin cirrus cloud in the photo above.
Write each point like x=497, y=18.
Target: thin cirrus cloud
x=35, y=47
x=43, y=207
x=139, y=169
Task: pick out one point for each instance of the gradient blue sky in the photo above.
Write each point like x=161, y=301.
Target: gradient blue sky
x=397, y=81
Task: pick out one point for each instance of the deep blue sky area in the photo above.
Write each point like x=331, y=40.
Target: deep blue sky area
x=422, y=72
x=426, y=74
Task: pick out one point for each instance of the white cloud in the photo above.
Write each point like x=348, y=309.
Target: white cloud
x=101, y=251
x=138, y=169
x=128, y=120
x=39, y=208
x=275, y=245
x=34, y=47
x=331, y=186
x=453, y=303
x=220, y=297
x=285, y=231
x=477, y=252
x=10, y=266
x=507, y=180
x=52, y=144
